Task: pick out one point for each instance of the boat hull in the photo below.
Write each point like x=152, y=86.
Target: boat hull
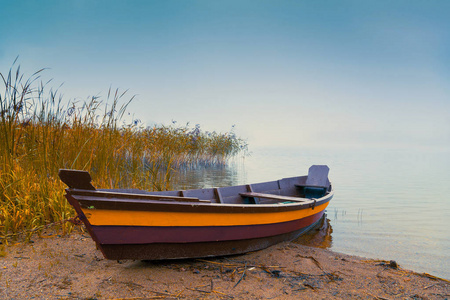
x=132, y=224
x=163, y=251
x=242, y=228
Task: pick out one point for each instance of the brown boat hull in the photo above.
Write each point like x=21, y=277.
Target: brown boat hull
x=162, y=251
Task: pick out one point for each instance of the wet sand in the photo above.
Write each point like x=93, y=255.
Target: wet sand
x=70, y=267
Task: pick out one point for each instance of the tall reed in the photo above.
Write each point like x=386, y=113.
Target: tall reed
x=40, y=133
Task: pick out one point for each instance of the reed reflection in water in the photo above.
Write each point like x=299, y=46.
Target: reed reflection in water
x=211, y=175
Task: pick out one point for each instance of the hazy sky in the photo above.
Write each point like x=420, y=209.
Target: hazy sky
x=323, y=73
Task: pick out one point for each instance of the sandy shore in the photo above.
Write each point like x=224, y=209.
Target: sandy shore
x=70, y=267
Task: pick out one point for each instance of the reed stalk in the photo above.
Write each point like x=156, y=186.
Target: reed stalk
x=41, y=133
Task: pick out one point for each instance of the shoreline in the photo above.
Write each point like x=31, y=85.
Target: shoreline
x=70, y=267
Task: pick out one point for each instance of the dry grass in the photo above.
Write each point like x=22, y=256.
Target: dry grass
x=39, y=135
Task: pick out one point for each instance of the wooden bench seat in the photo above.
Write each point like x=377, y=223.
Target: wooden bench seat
x=274, y=197
x=317, y=183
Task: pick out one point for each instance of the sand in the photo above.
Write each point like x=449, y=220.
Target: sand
x=70, y=267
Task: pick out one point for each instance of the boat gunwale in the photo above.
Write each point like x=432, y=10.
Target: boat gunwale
x=112, y=203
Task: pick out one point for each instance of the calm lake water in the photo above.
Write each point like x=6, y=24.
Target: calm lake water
x=388, y=204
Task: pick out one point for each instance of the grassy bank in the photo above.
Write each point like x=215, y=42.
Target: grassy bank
x=41, y=133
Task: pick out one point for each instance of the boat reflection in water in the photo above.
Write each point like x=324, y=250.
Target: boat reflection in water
x=319, y=236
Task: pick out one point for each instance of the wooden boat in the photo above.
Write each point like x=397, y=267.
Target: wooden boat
x=135, y=224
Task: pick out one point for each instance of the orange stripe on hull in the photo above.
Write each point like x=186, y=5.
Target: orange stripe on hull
x=102, y=217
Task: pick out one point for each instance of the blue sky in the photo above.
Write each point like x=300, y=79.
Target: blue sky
x=290, y=73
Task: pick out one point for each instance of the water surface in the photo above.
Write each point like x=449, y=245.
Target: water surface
x=391, y=204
